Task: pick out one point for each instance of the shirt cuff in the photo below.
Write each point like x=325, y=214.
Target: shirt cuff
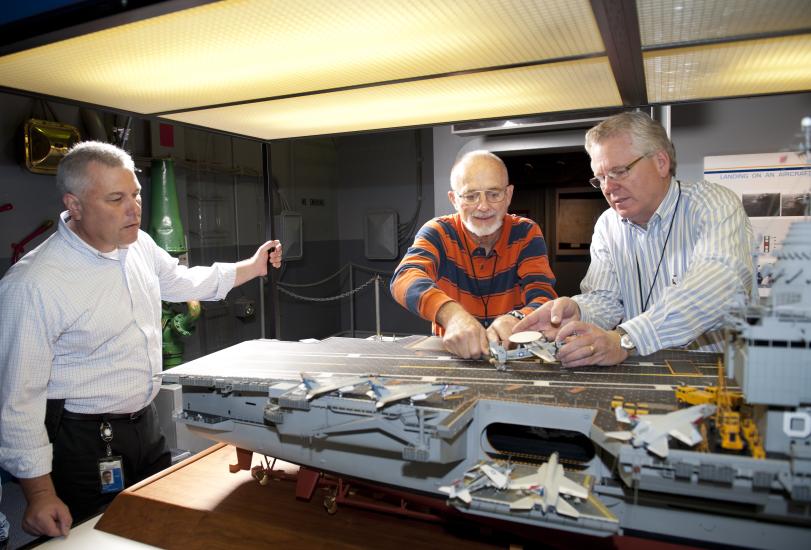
x=585, y=314
x=227, y=276
x=27, y=463
x=642, y=334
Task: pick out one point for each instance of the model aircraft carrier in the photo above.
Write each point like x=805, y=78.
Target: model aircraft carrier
x=264, y=396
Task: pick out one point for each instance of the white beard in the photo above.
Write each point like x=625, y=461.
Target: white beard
x=483, y=231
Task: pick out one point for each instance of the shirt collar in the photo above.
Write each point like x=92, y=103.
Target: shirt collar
x=76, y=242
x=665, y=211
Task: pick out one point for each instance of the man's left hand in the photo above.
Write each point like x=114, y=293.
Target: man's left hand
x=270, y=252
x=257, y=265
x=586, y=344
x=501, y=329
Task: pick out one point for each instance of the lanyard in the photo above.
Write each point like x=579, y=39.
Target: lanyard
x=661, y=257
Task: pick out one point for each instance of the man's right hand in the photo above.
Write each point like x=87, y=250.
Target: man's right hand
x=550, y=317
x=464, y=334
x=46, y=514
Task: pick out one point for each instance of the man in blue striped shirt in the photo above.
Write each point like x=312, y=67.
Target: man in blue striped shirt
x=667, y=259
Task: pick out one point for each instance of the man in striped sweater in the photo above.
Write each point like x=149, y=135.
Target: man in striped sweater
x=477, y=272
x=667, y=259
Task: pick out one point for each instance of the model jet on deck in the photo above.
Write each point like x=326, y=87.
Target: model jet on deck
x=478, y=477
x=653, y=430
x=385, y=395
x=320, y=386
x=545, y=488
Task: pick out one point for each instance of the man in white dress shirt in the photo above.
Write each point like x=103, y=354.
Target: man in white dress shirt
x=80, y=343
x=667, y=259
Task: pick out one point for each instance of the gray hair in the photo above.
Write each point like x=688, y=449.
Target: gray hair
x=71, y=174
x=458, y=170
x=647, y=135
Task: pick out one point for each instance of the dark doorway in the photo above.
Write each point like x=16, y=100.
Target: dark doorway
x=546, y=185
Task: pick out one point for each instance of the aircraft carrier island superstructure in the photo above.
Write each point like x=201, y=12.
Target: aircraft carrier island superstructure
x=407, y=414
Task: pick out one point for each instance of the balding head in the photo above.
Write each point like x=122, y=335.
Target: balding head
x=478, y=164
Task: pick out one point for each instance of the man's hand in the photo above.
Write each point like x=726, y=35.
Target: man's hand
x=464, y=334
x=46, y=514
x=257, y=265
x=501, y=329
x=550, y=317
x=587, y=344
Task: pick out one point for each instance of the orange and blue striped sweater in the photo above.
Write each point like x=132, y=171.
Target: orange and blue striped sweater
x=442, y=265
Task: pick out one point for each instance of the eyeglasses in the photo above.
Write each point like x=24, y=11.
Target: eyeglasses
x=617, y=174
x=490, y=195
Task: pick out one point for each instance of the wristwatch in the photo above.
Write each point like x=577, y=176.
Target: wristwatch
x=626, y=343
x=517, y=314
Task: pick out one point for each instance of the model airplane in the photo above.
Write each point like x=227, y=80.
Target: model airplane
x=653, y=430
x=321, y=386
x=545, y=488
x=385, y=395
x=528, y=343
x=478, y=477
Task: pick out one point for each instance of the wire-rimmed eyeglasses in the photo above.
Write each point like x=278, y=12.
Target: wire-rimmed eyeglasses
x=490, y=195
x=617, y=174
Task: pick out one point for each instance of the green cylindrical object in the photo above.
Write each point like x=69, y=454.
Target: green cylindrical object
x=165, y=225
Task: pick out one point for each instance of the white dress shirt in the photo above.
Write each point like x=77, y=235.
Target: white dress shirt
x=705, y=268
x=85, y=326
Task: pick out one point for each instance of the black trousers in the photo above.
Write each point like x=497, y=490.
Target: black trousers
x=78, y=447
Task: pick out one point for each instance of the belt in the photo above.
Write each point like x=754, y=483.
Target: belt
x=131, y=417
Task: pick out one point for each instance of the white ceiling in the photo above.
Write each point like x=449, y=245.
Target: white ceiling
x=271, y=69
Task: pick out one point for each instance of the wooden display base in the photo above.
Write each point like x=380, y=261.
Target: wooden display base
x=199, y=504
x=208, y=501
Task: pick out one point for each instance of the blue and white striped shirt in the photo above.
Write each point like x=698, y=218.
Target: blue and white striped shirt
x=85, y=326
x=705, y=268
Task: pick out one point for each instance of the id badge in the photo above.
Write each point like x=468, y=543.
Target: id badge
x=111, y=474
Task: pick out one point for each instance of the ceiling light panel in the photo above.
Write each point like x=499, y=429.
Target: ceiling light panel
x=246, y=49
x=522, y=91
x=753, y=67
x=663, y=22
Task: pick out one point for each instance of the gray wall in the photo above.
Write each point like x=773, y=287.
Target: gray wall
x=736, y=126
x=333, y=183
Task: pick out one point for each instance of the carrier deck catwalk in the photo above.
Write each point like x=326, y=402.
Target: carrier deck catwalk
x=252, y=395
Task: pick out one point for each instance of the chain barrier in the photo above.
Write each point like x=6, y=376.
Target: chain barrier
x=327, y=298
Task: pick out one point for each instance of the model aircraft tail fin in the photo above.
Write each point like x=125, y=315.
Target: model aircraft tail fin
x=378, y=389
x=308, y=381
x=622, y=415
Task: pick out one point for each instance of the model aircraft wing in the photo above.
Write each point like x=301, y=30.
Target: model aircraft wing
x=543, y=354
x=525, y=482
x=622, y=436
x=565, y=509
x=453, y=492
x=524, y=503
x=659, y=446
x=499, y=479
x=687, y=434
x=569, y=487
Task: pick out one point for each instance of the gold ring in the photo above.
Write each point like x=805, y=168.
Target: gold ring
x=591, y=350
